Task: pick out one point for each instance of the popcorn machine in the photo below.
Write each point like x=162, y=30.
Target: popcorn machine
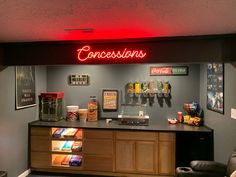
x=51, y=106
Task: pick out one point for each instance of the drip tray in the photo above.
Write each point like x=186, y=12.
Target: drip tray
x=133, y=120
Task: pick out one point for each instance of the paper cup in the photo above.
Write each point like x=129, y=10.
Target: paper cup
x=72, y=112
x=83, y=115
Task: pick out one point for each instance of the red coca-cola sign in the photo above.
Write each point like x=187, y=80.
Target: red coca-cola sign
x=169, y=71
x=160, y=71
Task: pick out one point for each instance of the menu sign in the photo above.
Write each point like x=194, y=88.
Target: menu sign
x=169, y=71
x=110, y=100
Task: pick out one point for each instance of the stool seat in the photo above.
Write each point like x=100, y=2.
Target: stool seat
x=184, y=171
x=3, y=174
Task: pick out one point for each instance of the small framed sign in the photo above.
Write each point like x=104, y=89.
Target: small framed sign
x=109, y=100
x=169, y=71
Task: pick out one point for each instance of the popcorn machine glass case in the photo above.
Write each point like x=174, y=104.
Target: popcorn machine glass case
x=51, y=106
x=133, y=114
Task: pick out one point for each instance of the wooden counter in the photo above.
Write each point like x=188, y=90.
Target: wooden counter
x=114, y=125
x=110, y=149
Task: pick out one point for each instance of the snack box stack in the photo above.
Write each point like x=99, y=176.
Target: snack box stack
x=77, y=146
x=79, y=134
x=58, y=159
x=67, y=146
x=70, y=132
x=57, y=145
x=75, y=160
x=66, y=160
x=59, y=133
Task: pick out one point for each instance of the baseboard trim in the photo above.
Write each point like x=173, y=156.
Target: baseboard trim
x=25, y=173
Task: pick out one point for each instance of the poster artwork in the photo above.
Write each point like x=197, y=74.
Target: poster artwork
x=25, y=86
x=215, y=87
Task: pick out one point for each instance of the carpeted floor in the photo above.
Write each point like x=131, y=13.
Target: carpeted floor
x=37, y=174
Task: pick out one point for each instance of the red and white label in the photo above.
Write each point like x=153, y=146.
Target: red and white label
x=160, y=71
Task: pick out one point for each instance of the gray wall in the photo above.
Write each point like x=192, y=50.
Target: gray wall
x=184, y=88
x=224, y=127
x=14, y=124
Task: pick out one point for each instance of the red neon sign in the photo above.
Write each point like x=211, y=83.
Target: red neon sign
x=86, y=53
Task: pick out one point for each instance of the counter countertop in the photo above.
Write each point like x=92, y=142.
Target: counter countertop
x=114, y=124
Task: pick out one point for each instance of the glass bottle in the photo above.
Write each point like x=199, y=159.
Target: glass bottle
x=137, y=87
x=166, y=87
x=93, y=109
x=131, y=87
x=159, y=88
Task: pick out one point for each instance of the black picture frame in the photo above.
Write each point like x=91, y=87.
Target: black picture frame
x=25, y=87
x=215, y=87
x=110, y=100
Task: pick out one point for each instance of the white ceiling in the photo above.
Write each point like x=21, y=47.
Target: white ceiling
x=46, y=20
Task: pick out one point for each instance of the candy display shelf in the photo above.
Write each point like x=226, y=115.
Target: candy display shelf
x=66, y=147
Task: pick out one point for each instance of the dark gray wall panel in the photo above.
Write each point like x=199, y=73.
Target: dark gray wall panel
x=14, y=124
x=184, y=88
x=224, y=127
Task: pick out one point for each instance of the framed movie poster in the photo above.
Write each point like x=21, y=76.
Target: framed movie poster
x=109, y=100
x=215, y=87
x=25, y=86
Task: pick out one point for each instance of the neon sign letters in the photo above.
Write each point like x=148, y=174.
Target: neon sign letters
x=86, y=53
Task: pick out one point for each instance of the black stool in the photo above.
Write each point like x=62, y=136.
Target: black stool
x=183, y=171
x=3, y=174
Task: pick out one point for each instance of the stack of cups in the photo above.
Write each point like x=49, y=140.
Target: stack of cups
x=72, y=112
x=180, y=117
x=83, y=115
